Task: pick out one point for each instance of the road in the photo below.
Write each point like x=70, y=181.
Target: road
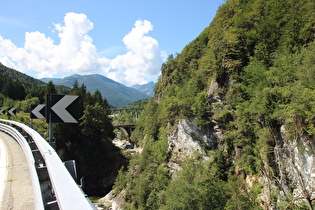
x=15, y=182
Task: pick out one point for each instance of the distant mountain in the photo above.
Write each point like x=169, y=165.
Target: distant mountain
x=117, y=94
x=147, y=89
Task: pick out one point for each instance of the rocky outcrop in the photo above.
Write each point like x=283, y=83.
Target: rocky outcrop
x=296, y=160
x=186, y=140
x=111, y=201
x=292, y=178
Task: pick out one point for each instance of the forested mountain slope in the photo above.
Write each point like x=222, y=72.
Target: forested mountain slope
x=19, y=86
x=14, y=74
x=232, y=122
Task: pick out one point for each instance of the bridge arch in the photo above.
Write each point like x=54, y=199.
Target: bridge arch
x=126, y=129
x=126, y=134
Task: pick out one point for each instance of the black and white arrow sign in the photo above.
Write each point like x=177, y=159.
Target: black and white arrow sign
x=38, y=111
x=12, y=111
x=62, y=108
x=2, y=111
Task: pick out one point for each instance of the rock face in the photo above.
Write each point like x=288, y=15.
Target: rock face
x=295, y=168
x=189, y=139
x=111, y=201
x=290, y=176
x=186, y=140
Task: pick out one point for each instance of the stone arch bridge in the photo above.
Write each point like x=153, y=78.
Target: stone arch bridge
x=126, y=128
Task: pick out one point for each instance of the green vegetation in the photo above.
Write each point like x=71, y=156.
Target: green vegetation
x=130, y=116
x=19, y=90
x=259, y=56
x=89, y=142
x=138, y=104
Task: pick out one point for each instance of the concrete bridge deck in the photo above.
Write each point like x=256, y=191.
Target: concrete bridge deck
x=16, y=190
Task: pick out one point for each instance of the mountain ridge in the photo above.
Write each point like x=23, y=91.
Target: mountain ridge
x=117, y=94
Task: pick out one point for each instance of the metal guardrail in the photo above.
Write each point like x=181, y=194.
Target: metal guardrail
x=38, y=200
x=67, y=193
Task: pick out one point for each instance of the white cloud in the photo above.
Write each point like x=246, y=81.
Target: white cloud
x=143, y=58
x=76, y=53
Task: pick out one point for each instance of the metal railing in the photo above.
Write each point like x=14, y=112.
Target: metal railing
x=65, y=193
x=38, y=200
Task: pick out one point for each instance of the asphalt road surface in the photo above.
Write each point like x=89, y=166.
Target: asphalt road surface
x=15, y=182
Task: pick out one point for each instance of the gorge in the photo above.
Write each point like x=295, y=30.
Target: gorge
x=231, y=125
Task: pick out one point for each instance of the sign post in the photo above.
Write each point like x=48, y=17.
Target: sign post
x=61, y=108
x=12, y=111
x=37, y=112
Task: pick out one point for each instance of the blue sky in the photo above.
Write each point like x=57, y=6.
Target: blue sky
x=124, y=40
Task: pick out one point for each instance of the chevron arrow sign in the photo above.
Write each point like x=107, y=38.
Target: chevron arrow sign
x=62, y=108
x=12, y=111
x=38, y=111
x=2, y=111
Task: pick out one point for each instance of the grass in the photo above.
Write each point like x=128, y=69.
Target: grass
x=39, y=125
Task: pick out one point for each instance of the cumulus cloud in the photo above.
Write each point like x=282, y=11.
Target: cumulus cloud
x=143, y=58
x=76, y=53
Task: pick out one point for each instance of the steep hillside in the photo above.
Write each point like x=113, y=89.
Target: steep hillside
x=14, y=74
x=117, y=94
x=232, y=122
x=16, y=85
